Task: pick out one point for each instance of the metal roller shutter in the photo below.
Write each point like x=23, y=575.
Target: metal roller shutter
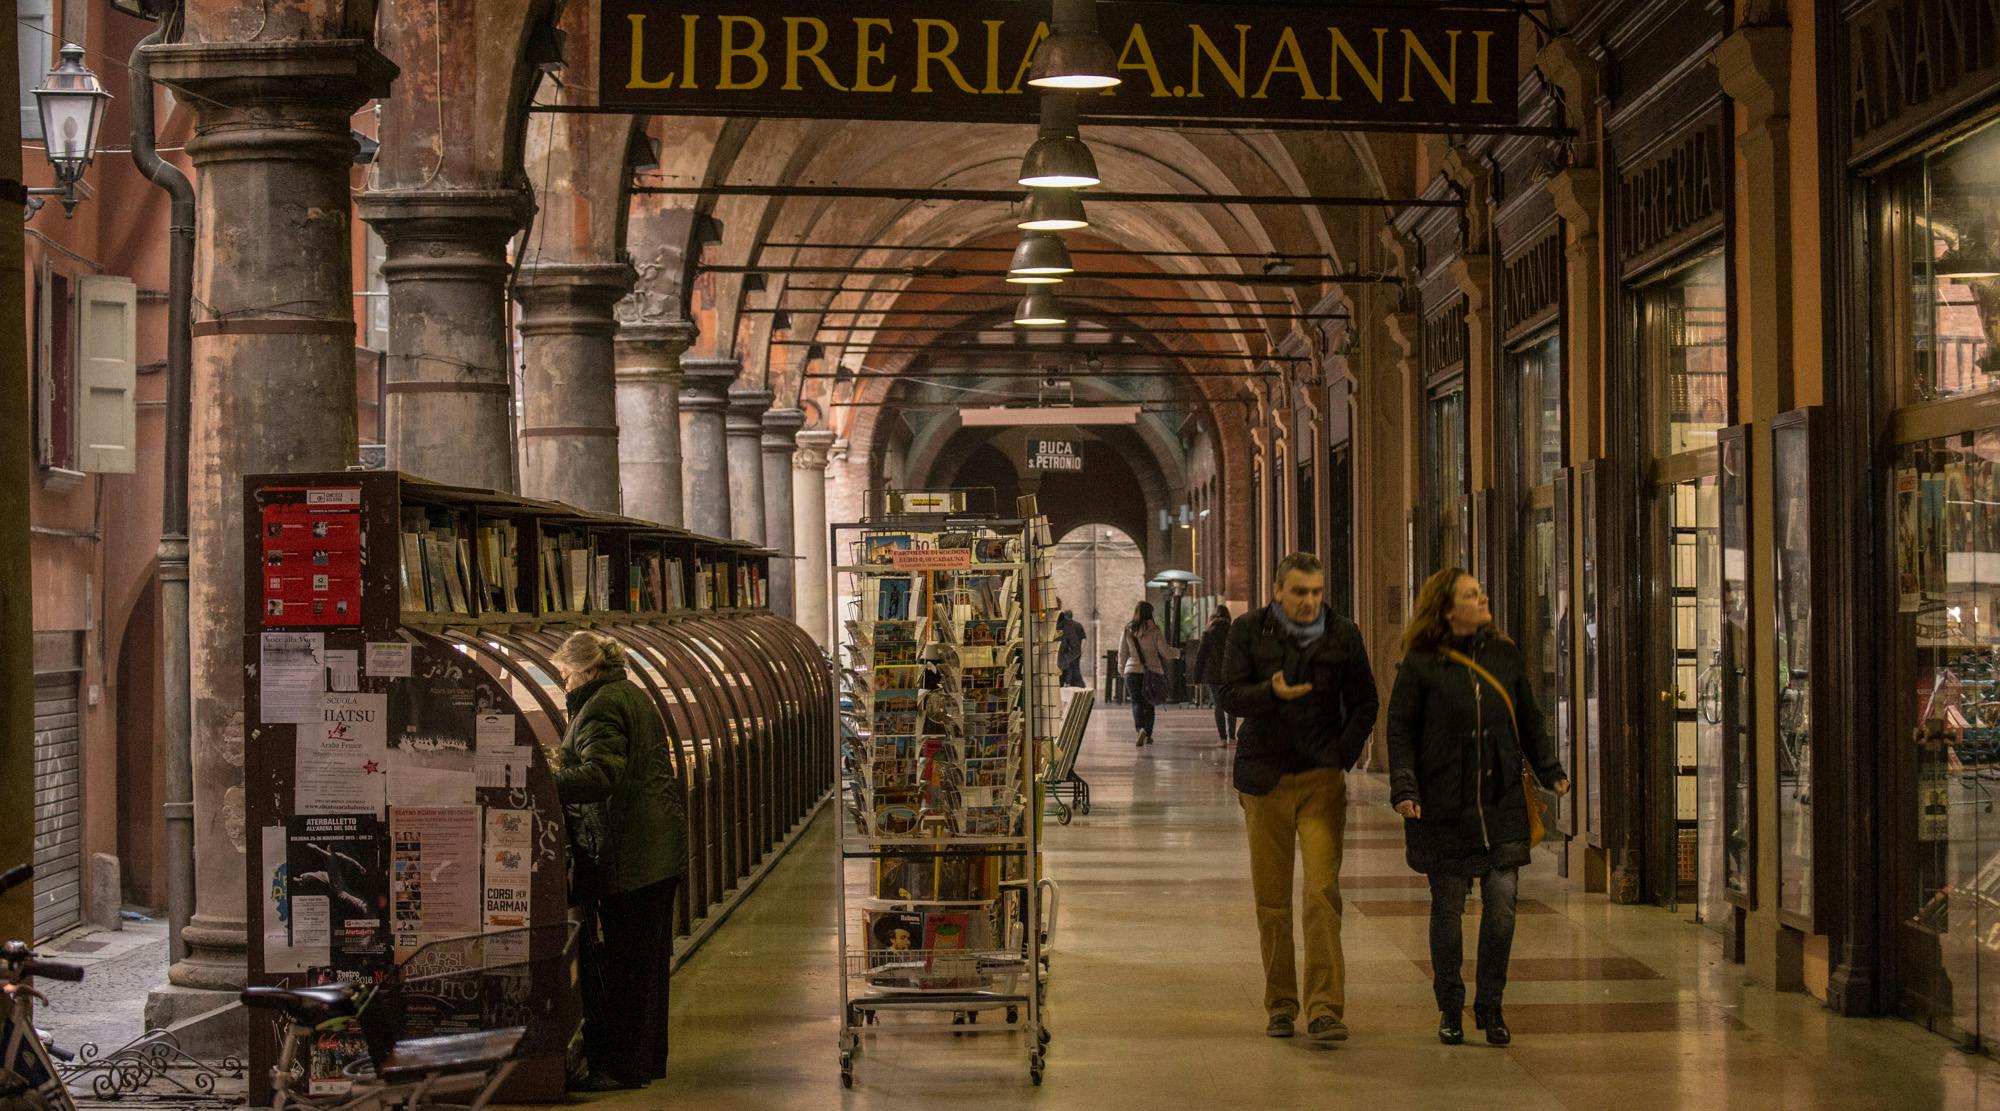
x=58, y=806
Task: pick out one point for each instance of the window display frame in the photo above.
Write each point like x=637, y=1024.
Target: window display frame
x=1594, y=587
x=1739, y=746
x=1564, y=712
x=1798, y=465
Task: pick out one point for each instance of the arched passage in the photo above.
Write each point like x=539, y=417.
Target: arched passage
x=1100, y=572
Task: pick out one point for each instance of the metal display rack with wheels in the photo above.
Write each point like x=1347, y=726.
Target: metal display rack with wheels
x=944, y=911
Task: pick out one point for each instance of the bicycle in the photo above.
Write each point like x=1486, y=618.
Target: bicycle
x=29, y=1080
x=453, y=1020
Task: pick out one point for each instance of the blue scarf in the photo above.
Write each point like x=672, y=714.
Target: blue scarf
x=1304, y=634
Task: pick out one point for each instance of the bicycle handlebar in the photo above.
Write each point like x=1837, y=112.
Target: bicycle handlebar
x=53, y=970
x=15, y=876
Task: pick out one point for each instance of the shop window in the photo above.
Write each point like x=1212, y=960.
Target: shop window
x=1445, y=477
x=1537, y=375
x=1953, y=254
x=1684, y=355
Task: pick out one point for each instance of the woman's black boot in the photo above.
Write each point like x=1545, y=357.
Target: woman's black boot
x=1490, y=1020
x=1451, y=1027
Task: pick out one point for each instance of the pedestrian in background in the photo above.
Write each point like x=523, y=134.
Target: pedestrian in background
x=627, y=827
x=1297, y=674
x=1462, y=725
x=1069, y=649
x=1142, y=658
x=1208, y=660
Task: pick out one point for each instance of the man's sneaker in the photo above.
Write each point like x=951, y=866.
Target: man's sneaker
x=1280, y=1026
x=1327, y=1028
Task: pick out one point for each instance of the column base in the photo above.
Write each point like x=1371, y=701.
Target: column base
x=217, y=958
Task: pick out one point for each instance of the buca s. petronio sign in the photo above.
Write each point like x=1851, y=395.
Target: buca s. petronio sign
x=968, y=60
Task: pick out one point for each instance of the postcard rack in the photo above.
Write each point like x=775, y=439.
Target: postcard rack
x=948, y=635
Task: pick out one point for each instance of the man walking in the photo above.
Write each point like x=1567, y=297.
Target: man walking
x=1069, y=649
x=1298, y=676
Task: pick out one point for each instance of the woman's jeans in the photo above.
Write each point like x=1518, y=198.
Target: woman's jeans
x=1225, y=725
x=1142, y=710
x=1497, y=892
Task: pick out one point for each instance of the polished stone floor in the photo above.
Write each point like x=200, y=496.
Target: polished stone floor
x=1155, y=996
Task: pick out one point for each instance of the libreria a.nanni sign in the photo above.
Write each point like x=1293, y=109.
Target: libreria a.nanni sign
x=968, y=60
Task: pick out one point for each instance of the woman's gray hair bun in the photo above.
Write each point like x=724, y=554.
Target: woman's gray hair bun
x=586, y=651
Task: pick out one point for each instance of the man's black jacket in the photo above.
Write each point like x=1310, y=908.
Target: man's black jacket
x=1327, y=728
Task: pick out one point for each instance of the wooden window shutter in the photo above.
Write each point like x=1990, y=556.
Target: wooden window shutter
x=107, y=375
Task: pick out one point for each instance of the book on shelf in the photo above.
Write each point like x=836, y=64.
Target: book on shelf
x=600, y=584
x=576, y=579
x=413, y=572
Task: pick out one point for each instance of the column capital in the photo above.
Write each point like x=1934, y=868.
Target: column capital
x=457, y=234
x=705, y=381
x=781, y=427
x=225, y=80
x=1754, y=66
x=1578, y=197
x=747, y=406
x=652, y=352
x=815, y=449
x=1473, y=275
x=570, y=298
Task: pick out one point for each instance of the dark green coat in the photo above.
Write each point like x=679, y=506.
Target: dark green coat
x=627, y=821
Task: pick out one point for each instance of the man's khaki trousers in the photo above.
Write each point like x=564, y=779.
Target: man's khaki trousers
x=1307, y=810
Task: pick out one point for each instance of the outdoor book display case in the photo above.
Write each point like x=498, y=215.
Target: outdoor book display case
x=950, y=655
x=401, y=713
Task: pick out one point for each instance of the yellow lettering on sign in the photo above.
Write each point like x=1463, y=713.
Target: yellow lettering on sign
x=1288, y=45
x=1448, y=85
x=866, y=52
x=1028, y=59
x=638, y=78
x=794, y=55
x=1483, y=49
x=1235, y=76
x=1343, y=48
x=926, y=54
x=732, y=53
x=993, y=28
x=688, y=23
x=1136, y=42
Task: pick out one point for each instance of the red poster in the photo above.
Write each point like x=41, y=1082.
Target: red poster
x=312, y=560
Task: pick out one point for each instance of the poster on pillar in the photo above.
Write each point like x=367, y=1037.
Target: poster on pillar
x=968, y=61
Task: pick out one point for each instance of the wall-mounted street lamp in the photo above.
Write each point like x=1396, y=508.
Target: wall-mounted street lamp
x=71, y=102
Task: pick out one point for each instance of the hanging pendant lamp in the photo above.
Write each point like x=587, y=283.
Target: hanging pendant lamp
x=1075, y=55
x=1041, y=252
x=1039, y=310
x=1059, y=159
x=1053, y=210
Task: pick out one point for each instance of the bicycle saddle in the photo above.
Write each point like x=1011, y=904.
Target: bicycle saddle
x=305, y=1006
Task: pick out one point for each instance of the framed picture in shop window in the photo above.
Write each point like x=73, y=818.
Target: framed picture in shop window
x=1797, y=544
x=1727, y=691
x=1562, y=627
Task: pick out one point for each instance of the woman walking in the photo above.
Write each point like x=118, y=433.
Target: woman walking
x=1143, y=656
x=628, y=848
x=1208, y=669
x=1462, y=725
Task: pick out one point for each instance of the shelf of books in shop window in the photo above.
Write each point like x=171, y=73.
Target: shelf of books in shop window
x=940, y=797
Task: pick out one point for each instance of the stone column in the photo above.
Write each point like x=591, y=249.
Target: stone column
x=448, y=402
x=569, y=424
x=747, y=405
x=273, y=361
x=781, y=429
x=704, y=449
x=812, y=593
x=649, y=419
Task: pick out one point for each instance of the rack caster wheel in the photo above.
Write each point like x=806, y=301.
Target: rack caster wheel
x=847, y=1080
x=1013, y=1014
x=1046, y=1036
x=1036, y=1076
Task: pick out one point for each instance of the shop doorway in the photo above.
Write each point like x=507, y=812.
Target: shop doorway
x=1684, y=758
